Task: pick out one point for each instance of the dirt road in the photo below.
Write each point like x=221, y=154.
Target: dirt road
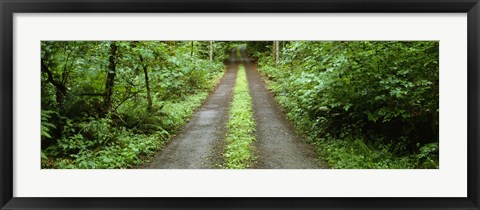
x=200, y=143
x=277, y=145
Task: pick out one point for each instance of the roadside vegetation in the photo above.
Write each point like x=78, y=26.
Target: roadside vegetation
x=364, y=104
x=239, y=150
x=113, y=104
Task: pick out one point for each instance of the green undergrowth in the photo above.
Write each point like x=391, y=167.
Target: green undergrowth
x=361, y=111
x=354, y=154
x=241, y=126
x=118, y=147
x=351, y=152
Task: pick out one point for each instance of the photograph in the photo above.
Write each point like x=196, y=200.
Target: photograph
x=216, y=104
x=266, y=104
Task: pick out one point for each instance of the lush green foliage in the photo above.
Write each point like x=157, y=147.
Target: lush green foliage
x=241, y=126
x=113, y=104
x=365, y=104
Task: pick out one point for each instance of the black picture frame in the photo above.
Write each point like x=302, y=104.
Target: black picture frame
x=9, y=7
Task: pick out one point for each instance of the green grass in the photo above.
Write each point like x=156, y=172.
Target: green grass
x=239, y=54
x=241, y=126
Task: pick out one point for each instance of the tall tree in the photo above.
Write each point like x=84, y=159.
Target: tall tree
x=211, y=52
x=58, y=59
x=273, y=51
x=144, y=63
x=191, y=50
x=112, y=68
x=147, y=82
x=277, y=52
x=60, y=90
x=60, y=87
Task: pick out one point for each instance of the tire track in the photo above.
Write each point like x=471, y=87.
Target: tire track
x=199, y=144
x=277, y=145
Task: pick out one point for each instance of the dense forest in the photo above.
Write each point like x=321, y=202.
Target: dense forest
x=112, y=104
x=365, y=104
x=362, y=104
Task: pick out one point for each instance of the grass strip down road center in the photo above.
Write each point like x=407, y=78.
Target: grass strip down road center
x=241, y=126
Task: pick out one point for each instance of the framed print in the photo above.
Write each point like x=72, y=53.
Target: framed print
x=239, y=105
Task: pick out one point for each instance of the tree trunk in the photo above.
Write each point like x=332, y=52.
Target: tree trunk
x=277, y=52
x=211, y=51
x=60, y=88
x=147, y=80
x=191, y=52
x=274, y=50
x=112, y=67
x=211, y=55
x=147, y=83
x=60, y=95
